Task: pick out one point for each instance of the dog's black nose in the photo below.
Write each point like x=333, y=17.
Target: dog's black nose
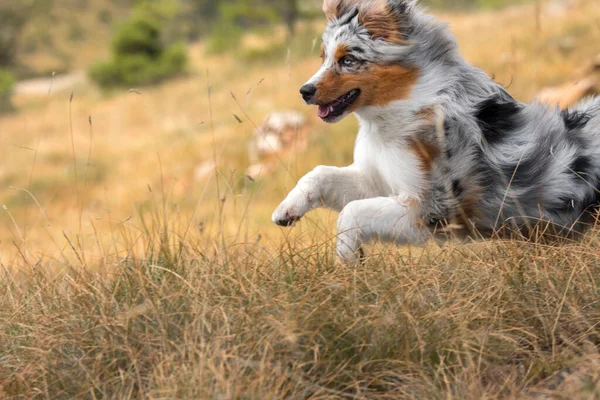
x=308, y=92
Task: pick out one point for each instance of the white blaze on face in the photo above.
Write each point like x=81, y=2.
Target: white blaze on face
x=328, y=61
x=316, y=78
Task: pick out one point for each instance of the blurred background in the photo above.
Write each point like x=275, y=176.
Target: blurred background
x=182, y=117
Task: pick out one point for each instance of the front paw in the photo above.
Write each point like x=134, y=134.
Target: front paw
x=292, y=209
x=285, y=217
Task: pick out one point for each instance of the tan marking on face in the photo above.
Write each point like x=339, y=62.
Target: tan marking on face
x=379, y=85
x=340, y=52
x=322, y=51
x=425, y=152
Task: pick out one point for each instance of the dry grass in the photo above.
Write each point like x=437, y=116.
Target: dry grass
x=471, y=321
x=124, y=276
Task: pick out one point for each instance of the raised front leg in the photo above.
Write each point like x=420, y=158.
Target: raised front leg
x=323, y=187
x=389, y=219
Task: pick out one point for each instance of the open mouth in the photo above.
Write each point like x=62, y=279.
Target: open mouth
x=332, y=111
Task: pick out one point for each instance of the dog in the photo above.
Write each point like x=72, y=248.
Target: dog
x=441, y=145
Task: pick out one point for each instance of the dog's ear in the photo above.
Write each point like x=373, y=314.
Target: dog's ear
x=384, y=19
x=403, y=7
x=336, y=8
x=330, y=8
x=389, y=20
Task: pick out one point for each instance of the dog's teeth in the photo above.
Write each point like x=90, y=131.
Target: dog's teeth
x=330, y=108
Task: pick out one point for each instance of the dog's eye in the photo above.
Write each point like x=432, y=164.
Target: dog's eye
x=348, y=61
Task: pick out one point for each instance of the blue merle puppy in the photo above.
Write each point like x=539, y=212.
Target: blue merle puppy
x=440, y=145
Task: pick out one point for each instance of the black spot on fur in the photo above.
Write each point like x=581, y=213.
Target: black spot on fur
x=497, y=117
x=594, y=204
x=575, y=120
x=526, y=174
x=581, y=166
x=591, y=203
x=447, y=126
x=457, y=188
x=563, y=205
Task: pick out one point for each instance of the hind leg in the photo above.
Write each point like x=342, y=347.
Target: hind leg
x=389, y=219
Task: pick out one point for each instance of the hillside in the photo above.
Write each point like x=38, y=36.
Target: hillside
x=129, y=271
x=159, y=138
x=67, y=35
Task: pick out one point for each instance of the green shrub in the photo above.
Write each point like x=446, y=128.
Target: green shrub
x=139, y=55
x=136, y=69
x=174, y=59
x=7, y=83
x=139, y=35
x=104, y=74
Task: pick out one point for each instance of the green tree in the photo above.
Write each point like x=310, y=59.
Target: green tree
x=140, y=56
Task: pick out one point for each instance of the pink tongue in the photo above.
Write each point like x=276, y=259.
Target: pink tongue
x=323, y=111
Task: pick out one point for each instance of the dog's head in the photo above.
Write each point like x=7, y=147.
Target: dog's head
x=363, y=51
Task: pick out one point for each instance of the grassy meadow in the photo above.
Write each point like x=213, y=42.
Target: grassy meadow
x=128, y=272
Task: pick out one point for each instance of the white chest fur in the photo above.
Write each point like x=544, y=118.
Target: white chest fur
x=381, y=152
